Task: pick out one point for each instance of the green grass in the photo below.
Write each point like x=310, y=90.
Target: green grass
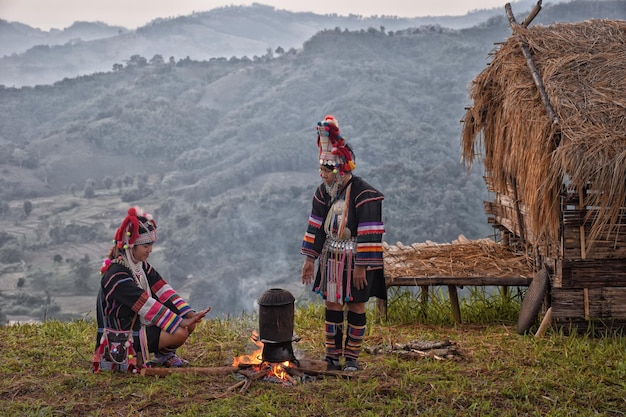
x=45, y=370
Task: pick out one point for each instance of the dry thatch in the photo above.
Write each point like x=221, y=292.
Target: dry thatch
x=582, y=66
x=461, y=258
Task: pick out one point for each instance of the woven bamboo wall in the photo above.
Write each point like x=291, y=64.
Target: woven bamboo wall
x=588, y=279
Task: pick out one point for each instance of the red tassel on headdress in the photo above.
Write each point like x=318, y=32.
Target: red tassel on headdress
x=129, y=224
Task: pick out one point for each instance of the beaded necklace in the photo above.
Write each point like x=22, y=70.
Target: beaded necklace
x=337, y=218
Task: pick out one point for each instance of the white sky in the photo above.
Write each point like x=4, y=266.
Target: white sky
x=59, y=14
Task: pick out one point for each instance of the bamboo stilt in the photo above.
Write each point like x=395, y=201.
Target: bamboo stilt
x=545, y=323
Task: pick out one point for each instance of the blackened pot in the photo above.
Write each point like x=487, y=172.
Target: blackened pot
x=276, y=316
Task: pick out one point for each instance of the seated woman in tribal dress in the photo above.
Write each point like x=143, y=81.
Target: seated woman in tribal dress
x=134, y=297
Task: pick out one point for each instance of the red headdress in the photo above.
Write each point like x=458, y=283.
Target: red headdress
x=332, y=146
x=137, y=228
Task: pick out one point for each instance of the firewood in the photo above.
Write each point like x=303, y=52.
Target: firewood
x=221, y=370
x=253, y=377
x=235, y=386
x=291, y=379
x=314, y=372
x=315, y=364
x=245, y=386
x=230, y=389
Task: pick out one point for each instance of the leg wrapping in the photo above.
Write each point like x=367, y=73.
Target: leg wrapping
x=354, y=337
x=334, y=333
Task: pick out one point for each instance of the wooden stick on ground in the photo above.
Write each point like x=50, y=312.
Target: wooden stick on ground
x=257, y=375
x=313, y=372
x=230, y=389
x=222, y=370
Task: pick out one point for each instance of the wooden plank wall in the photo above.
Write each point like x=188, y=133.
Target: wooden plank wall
x=588, y=283
x=601, y=264
x=600, y=310
x=575, y=263
x=588, y=291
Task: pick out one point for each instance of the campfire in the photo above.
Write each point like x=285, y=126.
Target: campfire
x=258, y=366
x=274, y=356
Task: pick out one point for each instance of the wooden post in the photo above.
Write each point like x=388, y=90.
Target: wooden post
x=586, y=302
x=424, y=297
x=504, y=292
x=381, y=309
x=454, y=303
x=583, y=254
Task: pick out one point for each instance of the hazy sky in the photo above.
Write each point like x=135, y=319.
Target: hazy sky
x=46, y=14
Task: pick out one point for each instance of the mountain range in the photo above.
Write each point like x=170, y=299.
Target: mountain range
x=31, y=56
x=222, y=151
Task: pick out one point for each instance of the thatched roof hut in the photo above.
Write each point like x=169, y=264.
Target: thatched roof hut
x=549, y=121
x=581, y=146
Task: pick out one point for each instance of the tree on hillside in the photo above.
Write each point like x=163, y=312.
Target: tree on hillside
x=10, y=255
x=89, y=191
x=107, y=182
x=157, y=60
x=28, y=208
x=136, y=61
x=83, y=271
x=6, y=238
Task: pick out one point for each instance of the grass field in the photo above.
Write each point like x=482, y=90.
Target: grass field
x=496, y=372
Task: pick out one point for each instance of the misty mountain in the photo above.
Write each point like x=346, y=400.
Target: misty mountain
x=18, y=38
x=32, y=57
x=223, y=153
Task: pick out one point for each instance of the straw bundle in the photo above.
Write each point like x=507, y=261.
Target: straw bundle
x=462, y=258
x=582, y=69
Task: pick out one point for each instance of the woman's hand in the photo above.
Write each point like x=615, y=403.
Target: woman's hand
x=307, y=270
x=192, y=318
x=359, y=277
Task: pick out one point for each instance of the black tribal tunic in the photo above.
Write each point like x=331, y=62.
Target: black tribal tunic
x=366, y=230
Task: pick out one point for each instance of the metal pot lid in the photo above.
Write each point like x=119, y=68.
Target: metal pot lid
x=276, y=297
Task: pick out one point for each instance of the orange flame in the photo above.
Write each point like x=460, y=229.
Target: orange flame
x=278, y=370
x=253, y=359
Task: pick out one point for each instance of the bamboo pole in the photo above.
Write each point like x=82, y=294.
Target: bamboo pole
x=533, y=68
x=533, y=13
x=545, y=323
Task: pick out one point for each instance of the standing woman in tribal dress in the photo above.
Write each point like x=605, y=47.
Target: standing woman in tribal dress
x=344, y=234
x=134, y=296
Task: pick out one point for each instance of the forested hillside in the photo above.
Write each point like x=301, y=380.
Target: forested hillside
x=29, y=56
x=223, y=153
x=33, y=57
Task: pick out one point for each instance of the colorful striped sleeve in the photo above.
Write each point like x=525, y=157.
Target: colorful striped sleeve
x=160, y=315
x=164, y=292
x=370, y=229
x=314, y=236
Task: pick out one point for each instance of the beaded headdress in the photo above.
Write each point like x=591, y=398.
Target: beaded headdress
x=137, y=228
x=332, y=146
